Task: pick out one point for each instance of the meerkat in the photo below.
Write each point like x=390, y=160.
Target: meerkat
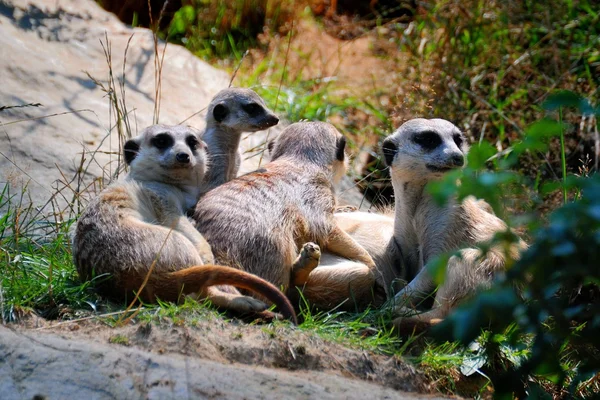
x=260, y=221
x=231, y=112
x=139, y=224
x=421, y=151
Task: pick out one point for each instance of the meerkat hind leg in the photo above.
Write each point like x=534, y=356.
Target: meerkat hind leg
x=350, y=285
x=306, y=262
x=342, y=244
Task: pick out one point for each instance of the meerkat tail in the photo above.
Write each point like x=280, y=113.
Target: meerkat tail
x=169, y=286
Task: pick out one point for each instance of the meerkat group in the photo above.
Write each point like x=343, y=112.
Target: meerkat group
x=277, y=227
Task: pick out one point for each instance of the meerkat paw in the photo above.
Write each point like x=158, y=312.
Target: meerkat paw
x=234, y=301
x=408, y=326
x=404, y=311
x=247, y=304
x=307, y=261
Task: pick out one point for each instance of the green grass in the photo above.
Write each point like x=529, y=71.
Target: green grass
x=35, y=262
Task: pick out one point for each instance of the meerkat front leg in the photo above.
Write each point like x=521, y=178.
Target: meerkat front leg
x=413, y=293
x=341, y=243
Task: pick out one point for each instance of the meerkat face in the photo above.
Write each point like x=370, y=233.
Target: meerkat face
x=241, y=110
x=424, y=149
x=169, y=154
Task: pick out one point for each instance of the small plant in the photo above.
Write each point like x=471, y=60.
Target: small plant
x=119, y=339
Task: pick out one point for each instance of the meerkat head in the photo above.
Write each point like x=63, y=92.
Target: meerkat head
x=240, y=110
x=167, y=154
x=423, y=149
x=319, y=143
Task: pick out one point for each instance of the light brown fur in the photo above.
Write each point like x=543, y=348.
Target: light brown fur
x=260, y=221
x=140, y=223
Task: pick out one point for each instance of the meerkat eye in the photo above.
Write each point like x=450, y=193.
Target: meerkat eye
x=162, y=141
x=252, y=108
x=428, y=140
x=192, y=142
x=458, y=140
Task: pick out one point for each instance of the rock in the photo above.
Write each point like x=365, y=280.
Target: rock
x=49, y=52
x=57, y=368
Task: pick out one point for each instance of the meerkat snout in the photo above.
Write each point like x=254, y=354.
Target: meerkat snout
x=183, y=158
x=458, y=160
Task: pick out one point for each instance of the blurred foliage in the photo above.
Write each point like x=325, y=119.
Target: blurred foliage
x=222, y=29
x=547, y=305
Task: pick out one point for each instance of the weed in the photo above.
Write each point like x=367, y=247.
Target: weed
x=119, y=339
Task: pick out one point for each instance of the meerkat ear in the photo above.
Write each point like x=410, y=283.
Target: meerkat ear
x=220, y=112
x=341, y=145
x=271, y=145
x=130, y=150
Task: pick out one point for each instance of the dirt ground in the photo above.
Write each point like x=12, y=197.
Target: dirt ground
x=209, y=358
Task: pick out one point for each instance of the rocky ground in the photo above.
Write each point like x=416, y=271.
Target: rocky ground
x=207, y=359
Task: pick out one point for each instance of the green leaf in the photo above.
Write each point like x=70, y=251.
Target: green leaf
x=563, y=98
x=437, y=268
x=550, y=187
x=479, y=154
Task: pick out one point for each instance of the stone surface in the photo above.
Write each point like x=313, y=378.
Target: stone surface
x=47, y=365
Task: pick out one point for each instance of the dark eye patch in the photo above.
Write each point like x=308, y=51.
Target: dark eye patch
x=192, y=142
x=458, y=139
x=252, y=109
x=162, y=141
x=428, y=140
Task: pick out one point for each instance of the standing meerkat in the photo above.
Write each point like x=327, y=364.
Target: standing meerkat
x=421, y=151
x=140, y=223
x=230, y=113
x=260, y=221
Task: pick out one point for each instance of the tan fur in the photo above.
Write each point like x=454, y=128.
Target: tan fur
x=424, y=229
x=259, y=221
x=230, y=113
x=140, y=223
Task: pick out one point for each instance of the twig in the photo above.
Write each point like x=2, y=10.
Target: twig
x=287, y=53
x=2, y=108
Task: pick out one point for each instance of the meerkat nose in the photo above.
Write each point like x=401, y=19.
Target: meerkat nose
x=273, y=120
x=389, y=151
x=183, y=158
x=458, y=160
